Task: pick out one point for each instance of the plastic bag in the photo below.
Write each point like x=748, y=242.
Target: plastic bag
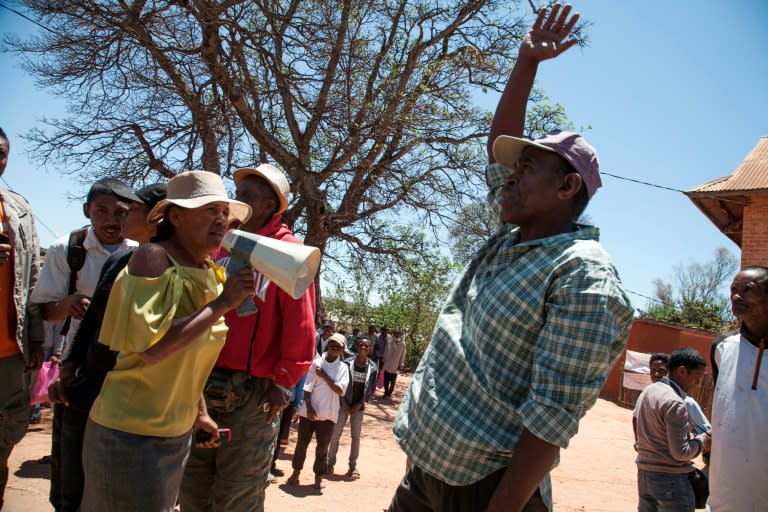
x=380, y=382
x=46, y=376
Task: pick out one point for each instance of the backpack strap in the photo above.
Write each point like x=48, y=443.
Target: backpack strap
x=76, y=255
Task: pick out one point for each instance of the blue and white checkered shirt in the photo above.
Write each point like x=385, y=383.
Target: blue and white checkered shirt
x=526, y=339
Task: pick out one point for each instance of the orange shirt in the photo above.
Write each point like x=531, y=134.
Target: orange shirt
x=8, y=345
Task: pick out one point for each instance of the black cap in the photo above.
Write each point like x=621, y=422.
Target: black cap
x=114, y=187
x=151, y=194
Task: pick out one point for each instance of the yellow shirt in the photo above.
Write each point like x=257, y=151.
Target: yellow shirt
x=161, y=399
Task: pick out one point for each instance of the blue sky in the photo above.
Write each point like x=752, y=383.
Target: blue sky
x=674, y=91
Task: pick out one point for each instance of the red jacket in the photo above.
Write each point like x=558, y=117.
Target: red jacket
x=284, y=341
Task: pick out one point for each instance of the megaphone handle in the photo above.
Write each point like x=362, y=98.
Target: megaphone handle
x=234, y=265
x=247, y=307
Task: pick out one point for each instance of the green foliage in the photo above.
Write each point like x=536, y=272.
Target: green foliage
x=407, y=295
x=543, y=117
x=707, y=316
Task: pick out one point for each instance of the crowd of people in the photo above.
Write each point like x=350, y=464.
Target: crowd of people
x=168, y=395
x=151, y=350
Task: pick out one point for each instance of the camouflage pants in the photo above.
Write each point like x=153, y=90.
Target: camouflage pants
x=14, y=412
x=233, y=477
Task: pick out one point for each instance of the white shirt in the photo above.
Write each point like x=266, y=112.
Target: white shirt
x=739, y=464
x=53, y=283
x=324, y=401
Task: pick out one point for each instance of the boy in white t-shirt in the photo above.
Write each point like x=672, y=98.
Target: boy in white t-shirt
x=327, y=380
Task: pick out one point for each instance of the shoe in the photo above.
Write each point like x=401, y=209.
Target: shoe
x=274, y=470
x=353, y=474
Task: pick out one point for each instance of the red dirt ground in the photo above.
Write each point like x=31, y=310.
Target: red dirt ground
x=596, y=473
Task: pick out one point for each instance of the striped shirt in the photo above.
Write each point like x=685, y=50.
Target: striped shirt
x=525, y=340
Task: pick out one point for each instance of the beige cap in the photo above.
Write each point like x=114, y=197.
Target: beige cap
x=273, y=176
x=193, y=189
x=338, y=338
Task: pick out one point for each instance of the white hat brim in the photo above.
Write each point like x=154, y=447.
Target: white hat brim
x=238, y=211
x=255, y=171
x=507, y=149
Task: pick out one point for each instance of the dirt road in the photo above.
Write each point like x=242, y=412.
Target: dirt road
x=596, y=473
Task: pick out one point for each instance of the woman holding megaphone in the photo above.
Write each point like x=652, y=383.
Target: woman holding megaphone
x=165, y=318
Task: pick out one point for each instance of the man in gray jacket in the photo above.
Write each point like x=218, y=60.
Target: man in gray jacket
x=21, y=328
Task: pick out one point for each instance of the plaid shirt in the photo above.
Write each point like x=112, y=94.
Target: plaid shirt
x=525, y=341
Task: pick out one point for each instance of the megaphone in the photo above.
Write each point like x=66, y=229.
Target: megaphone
x=290, y=266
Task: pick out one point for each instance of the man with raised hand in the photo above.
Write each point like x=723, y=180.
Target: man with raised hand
x=530, y=331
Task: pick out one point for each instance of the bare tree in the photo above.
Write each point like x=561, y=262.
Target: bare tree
x=366, y=104
x=698, y=300
x=702, y=282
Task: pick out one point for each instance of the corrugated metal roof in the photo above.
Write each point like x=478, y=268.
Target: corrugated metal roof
x=710, y=186
x=727, y=215
x=751, y=175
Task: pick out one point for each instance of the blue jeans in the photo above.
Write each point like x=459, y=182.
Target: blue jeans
x=355, y=427
x=664, y=492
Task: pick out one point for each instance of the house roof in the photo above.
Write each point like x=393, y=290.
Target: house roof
x=722, y=200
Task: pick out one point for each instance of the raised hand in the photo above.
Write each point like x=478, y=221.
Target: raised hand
x=547, y=37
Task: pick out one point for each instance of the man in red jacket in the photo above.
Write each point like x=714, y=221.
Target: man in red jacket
x=264, y=356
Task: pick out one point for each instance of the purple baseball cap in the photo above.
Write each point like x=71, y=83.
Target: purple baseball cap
x=571, y=146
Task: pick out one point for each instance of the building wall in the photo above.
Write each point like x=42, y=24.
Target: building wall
x=754, y=235
x=652, y=336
